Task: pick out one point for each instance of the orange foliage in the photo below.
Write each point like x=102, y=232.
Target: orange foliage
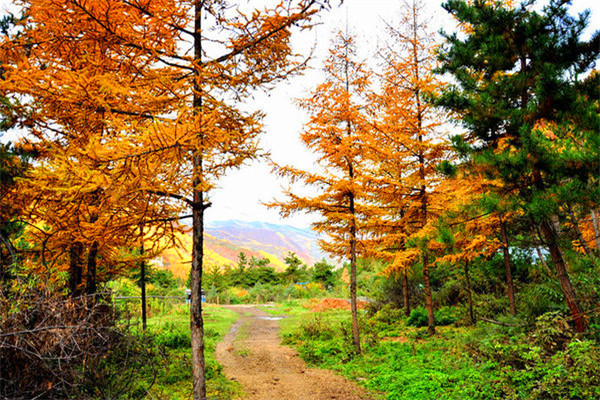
x=334, y=304
x=336, y=131
x=407, y=144
x=109, y=99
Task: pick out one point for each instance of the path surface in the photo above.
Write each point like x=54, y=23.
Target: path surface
x=251, y=354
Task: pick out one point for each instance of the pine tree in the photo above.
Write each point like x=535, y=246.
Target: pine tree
x=517, y=75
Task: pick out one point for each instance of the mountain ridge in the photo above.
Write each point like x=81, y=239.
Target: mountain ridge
x=225, y=239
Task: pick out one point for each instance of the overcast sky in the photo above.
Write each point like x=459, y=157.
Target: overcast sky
x=240, y=194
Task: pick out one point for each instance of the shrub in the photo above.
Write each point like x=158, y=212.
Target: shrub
x=79, y=352
x=386, y=313
x=443, y=316
x=316, y=328
x=417, y=317
x=552, y=332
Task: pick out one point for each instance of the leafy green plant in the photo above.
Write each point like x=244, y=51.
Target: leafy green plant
x=417, y=317
x=173, y=337
x=551, y=332
x=443, y=316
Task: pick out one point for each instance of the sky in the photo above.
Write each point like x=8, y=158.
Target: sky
x=241, y=193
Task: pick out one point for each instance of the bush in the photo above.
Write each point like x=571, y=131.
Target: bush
x=444, y=316
x=386, y=314
x=316, y=328
x=546, y=363
x=551, y=333
x=539, y=298
x=417, y=317
x=79, y=352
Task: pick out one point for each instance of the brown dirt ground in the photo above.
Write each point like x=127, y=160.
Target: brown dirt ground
x=251, y=354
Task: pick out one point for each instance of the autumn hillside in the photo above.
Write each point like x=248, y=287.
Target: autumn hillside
x=224, y=240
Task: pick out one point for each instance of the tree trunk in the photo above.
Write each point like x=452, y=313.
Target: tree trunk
x=355, y=330
x=596, y=226
x=543, y=260
x=469, y=294
x=509, y=279
x=75, y=273
x=428, y=298
x=405, y=293
x=556, y=224
x=90, y=284
x=196, y=322
x=143, y=286
x=353, y=233
x=563, y=276
x=422, y=176
x=551, y=238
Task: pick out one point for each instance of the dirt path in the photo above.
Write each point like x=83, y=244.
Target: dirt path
x=251, y=354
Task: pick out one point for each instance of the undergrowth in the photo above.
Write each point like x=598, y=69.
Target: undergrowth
x=540, y=361
x=172, y=332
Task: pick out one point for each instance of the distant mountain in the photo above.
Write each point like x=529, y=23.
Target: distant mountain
x=271, y=240
x=224, y=240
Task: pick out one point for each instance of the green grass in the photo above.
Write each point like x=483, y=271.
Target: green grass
x=172, y=331
x=414, y=368
x=403, y=362
x=243, y=334
x=288, y=308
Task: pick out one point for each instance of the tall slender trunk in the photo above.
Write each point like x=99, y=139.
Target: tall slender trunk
x=422, y=173
x=469, y=294
x=556, y=224
x=563, y=276
x=596, y=226
x=92, y=259
x=196, y=322
x=75, y=273
x=543, y=260
x=550, y=234
x=424, y=255
x=580, y=238
x=509, y=280
x=353, y=230
x=143, y=285
x=90, y=284
x=353, y=303
x=405, y=294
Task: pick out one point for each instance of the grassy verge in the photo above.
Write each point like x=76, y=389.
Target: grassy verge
x=482, y=362
x=172, y=333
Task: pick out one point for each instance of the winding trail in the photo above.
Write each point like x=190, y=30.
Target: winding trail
x=251, y=354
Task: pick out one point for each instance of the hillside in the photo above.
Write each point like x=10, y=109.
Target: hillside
x=224, y=240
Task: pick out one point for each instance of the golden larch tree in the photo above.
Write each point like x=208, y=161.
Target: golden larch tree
x=336, y=132
x=407, y=147
x=167, y=78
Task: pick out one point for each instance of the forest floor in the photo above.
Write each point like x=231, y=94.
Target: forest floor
x=252, y=355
